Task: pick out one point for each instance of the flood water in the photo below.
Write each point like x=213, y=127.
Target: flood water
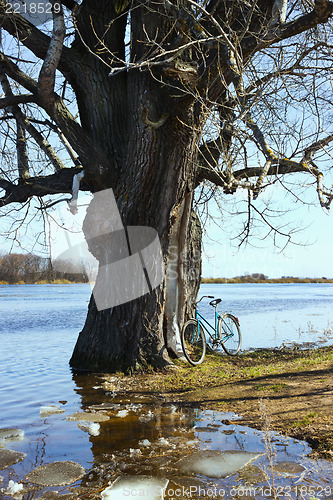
x=273, y=314
x=124, y=437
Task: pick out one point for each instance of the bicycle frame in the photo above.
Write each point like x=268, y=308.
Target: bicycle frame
x=214, y=336
x=198, y=332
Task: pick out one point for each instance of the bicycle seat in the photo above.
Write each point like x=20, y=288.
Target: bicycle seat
x=215, y=302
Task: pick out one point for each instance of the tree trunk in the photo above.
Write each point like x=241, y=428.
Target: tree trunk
x=155, y=190
x=146, y=332
x=152, y=141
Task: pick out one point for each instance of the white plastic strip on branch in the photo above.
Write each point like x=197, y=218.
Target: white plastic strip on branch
x=279, y=12
x=72, y=205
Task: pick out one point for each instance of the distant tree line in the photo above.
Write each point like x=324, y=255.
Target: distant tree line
x=30, y=268
x=262, y=278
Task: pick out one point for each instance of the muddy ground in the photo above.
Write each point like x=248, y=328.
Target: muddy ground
x=295, y=386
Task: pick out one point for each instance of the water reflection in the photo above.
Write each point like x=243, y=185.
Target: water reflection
x=147, y=436
x=119, y=436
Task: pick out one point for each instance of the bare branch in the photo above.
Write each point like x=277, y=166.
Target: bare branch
x=261, y=179
x=60, y=182
x=320, y=14
x=21, y=150
x=91, y=156
x=311, y=150
x=24, y=123
x=46, y=77
x=322, y=193
x=32, y=38
x=14, y=100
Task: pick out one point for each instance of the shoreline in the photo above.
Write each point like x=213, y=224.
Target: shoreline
x=295, y=385
x=55, y=282
x=231, y=281
x=204, y=281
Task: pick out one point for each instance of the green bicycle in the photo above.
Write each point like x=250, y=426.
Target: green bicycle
x=224, y=333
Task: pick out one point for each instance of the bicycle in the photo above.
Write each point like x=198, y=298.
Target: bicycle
x=226, y=334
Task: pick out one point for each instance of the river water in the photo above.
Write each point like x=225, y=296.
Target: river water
x=273, y=314
x=146, y=436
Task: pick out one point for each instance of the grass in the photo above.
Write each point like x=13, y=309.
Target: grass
x=218, y=370
x=55, y=282
x=307, y=420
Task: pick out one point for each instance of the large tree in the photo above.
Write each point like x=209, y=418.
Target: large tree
x=157, y=99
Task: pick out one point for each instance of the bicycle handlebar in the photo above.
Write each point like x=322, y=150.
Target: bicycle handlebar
x=204, y=296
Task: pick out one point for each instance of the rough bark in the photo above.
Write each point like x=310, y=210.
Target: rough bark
x=144, y=331
x=153, y=188
x=153, y=168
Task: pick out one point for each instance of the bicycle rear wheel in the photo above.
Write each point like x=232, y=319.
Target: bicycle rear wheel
x=193, y=342
x=230, y=334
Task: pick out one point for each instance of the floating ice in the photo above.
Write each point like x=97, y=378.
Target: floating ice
x=252, y=475
x=122, y=413
x=13, y=488
x=93, y=428
x=148, y=416
x=87, y=417
x=134, y=452
x=289, y=468
x=147, y=487
x=163, y=441
x=10, y=457
x=56, y=474
x=217, y=464
x=192, y=442
x=45, y=411
x=145, y=442
x=12, y=433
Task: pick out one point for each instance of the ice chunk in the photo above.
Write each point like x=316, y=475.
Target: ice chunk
x=148, y=416
x=122, y=413
x=10, y=457
x=289, y=468
x=147, y=487
x=56, y=474
x=12, y=433
x=163, y=441
x=217, y=464
x=13, y=488
x=45, y=411
x=145, y=442
x=87, y=417
x=192, y=442
x=134, y=452
x=93, y=428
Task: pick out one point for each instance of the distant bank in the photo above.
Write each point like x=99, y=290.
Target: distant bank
x=237, y=279
x=261, y=278
x=45, y=282
x=20, y=269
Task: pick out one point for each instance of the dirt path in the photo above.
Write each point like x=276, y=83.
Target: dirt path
x=296, y=387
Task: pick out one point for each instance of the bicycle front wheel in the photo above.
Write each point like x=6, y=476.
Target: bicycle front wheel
x=230, y=334
x=193, y=342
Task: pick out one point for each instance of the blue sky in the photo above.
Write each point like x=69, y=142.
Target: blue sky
x=312, y=256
